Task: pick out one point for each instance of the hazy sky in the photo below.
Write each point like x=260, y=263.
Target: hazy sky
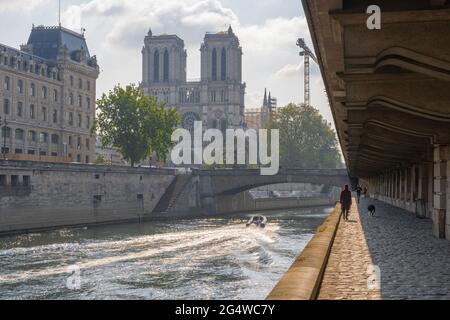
x=115, y=30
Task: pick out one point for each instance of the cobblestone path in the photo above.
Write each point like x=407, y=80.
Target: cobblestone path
x=412, y=263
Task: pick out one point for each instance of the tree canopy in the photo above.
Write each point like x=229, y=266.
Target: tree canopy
x=306, y=138
x=134, y=124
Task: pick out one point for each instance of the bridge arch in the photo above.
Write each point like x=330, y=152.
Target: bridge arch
x=229, y=182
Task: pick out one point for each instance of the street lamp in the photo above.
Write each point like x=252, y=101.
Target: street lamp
x=4, y=136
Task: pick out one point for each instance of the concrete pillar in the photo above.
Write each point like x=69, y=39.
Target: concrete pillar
x=422, y=190
x=380, y=184
x=395, y=184
x=388, y=183
x=441, y=157
x=412, y=185
x=430, y=188
x=405, y=186
x=391, y=193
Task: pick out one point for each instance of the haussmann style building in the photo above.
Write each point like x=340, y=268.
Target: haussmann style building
x=47, y=97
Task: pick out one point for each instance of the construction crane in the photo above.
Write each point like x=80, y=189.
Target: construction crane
x=306, y=53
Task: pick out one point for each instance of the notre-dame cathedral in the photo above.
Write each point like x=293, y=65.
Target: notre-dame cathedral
x=217, y=99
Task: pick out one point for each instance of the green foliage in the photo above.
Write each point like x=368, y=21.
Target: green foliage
x=100, y=159
x=306, y=139
x=134, y=124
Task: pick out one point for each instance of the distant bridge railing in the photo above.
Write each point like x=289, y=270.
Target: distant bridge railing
x=232, y=181
x=257, y=172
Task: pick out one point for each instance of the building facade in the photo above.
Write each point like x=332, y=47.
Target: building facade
x=47, y=97
x=108, y=154
x=257, y=118
x=217, y=99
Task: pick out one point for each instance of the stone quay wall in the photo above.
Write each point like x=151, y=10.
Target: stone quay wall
x=245, y=202
x=38, y=195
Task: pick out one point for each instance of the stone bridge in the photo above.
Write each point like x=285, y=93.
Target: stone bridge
x=233, y=181
x=218, y=191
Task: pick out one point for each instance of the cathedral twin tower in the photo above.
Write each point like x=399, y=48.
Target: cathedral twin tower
x=217, y=99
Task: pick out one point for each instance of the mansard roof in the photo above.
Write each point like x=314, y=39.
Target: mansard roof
x=12, y=52
x=46, y=41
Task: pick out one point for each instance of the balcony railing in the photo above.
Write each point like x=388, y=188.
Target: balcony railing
x=33, y=157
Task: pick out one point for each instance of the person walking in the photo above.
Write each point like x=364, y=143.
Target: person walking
x=346, y=201
x=358, y=193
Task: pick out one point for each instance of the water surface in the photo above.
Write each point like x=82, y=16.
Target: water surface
x=201, y=258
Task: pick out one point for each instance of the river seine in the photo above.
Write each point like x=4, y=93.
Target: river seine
x=198, y=258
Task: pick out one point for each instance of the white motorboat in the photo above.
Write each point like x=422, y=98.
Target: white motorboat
x=257, y=220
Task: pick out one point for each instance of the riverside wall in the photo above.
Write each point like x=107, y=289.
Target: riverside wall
x=38, y=195
x=245, y=202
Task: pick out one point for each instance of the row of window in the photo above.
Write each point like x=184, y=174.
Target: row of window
x=44, y=93
x=79, y=101
x=36, y=68
x=32, y=136
x=32, y=113
x=80, y=83
x=5, y=150
x=78, y=145
x=69, y=119
x=32, y=91
x=43, y=71
x=20, y=112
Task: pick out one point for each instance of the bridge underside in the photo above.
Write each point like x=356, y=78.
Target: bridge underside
x=227, y=182
x=222, y=190
x=389, y=91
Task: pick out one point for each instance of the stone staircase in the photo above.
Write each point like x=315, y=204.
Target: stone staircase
x=172, y=194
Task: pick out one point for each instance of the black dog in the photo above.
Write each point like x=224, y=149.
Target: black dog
x=371, y=210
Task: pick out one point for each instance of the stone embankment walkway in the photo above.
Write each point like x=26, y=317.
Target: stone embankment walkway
x=412, y=264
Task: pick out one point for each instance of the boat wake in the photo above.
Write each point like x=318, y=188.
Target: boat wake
x=192, y=246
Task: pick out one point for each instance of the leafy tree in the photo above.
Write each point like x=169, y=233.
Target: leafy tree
x=134, y=124
x=306, y=139
x=100, y=159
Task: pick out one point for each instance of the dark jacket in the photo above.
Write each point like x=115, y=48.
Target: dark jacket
x=346, y=199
